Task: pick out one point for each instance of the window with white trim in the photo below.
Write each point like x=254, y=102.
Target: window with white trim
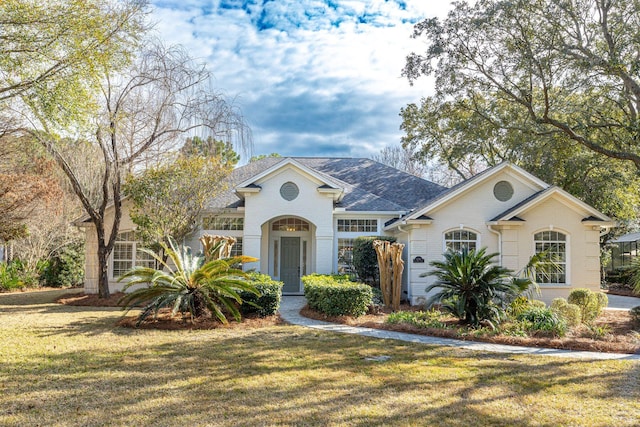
x=459, y=240
x=226, y=223
x=358, y=225
x=236, y=249
x=126, y=254
x=554, y=243
x=345, y=256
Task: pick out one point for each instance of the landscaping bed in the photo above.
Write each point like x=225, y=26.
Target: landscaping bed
x=621, y=338
x=165, y=320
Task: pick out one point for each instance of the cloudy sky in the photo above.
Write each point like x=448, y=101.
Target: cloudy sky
x=312, y=77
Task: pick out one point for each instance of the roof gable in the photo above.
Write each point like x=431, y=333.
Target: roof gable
x=470, y=184
x=367, y=185
x=589, y=212
x=288, y=163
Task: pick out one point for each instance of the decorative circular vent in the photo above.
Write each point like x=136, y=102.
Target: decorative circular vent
x=289, y=191
x=503, y=191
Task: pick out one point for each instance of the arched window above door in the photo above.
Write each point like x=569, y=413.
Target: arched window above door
x=290, y=224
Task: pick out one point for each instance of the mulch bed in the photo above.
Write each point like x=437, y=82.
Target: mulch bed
x=165, y=320
x=622, y=339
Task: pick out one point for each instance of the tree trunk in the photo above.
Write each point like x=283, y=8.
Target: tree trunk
x=103, y=272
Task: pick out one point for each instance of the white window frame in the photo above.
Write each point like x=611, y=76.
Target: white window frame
x=127, y=237
x=227, y=222
x=563, y=263
x=353, y=234
x=445, y=247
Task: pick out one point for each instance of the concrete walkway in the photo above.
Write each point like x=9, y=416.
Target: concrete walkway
x=617, y=302
x=290, y=311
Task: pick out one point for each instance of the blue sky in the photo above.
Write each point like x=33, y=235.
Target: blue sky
x=312, y=77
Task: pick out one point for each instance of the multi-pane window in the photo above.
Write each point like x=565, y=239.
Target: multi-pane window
x=459, y=240
x=126, y=254
x=345, y=256
x=227, y=223
x=290, y=224
x=358, y=225
x=236, y=249
x=554, y=244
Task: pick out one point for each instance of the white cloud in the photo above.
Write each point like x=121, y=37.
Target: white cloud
x=309, y=75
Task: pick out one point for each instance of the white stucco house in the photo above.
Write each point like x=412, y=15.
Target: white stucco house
x=300, y=215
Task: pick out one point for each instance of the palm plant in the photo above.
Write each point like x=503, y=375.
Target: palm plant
x=188, y=284
x=471, y=287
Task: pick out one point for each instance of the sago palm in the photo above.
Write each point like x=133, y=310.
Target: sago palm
x=188, y=284
x=470, y=286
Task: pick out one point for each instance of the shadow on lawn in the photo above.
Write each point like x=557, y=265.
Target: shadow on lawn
x=295, y=376
x=35, y=297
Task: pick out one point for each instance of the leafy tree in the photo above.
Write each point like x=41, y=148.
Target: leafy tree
x=263, y=156
x=190, y=285
x=49, y=49
x=168, y=199
x=28, y=184
x=143, y=108
x=210, y=147
x=546, y=81
x=471, y=287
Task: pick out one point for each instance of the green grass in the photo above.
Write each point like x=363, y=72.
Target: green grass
x=63, y=365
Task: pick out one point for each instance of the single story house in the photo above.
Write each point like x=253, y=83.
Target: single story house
x=300, y=215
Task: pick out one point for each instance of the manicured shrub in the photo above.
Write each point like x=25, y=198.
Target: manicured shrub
x=65, y=268
x=571, y=313
x=268, y=302
x=590, y=303
x=543, y=320
x=335, y=298
x=635, y=314
x=365, y=260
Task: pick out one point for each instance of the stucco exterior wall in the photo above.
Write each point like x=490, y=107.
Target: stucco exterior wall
x=474, y=209
x=310, y=205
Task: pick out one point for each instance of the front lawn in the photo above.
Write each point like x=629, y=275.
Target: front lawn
x=65, y=365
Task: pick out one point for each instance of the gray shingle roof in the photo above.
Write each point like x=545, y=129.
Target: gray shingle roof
x=369, y=185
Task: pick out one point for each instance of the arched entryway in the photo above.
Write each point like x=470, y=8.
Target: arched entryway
x=290, y=251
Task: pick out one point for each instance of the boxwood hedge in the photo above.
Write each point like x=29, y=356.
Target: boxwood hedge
x=268, y=303
x=336, y=296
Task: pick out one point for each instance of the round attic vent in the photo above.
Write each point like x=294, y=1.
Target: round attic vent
x=503, y=191
x=289, y=191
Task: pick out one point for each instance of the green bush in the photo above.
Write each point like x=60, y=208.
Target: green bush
x=268, y=302
x=65, y=268
x=590, y=303
x=16, y=275
x=335, y=298
x=421, y=319
x=635, y=314
x=10, y=276
x=365, y=260
x=621, y=275
x=543, y=320
x=571, y=313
